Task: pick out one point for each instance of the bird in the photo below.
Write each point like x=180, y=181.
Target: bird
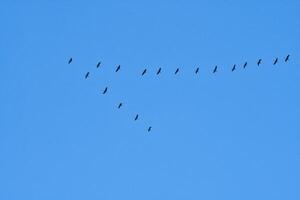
x=245, y=65
x=105, y=90
x=233, y=68
x=71, y=59
x=276, y=60
x=87, y=75
x=158, y=71
x=118, y=68
x=98, y=64
x=287, y=58
x=197, y=70
x=215, y=69
x=149, y=129
x=120, y=104
x=144, y=72
x=259, y=62
x=136, y=117
x=177, y=70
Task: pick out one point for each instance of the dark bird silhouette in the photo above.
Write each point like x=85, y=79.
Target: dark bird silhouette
x=215, y=69
x=105, y=90
x=197, y=70
x=118, y=68
x=245, y=65
x=233, y=68
x=259, y=62
x=98, y=64
x=286, y=58
x=177, y=70
x=71, y=59
x=158, y=71
x=136, y=117
x=119, y=106
x=87, y=75
x=144, y=72
x=149, y=129
x=275, y=62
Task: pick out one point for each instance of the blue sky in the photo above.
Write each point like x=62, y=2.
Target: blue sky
x=229, y=135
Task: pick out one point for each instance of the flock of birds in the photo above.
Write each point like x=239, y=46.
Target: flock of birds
x=159, y=70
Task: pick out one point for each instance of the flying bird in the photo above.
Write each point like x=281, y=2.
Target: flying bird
x=119, y=106
x=149, y=129
x=158, y=71
x=136, y=117
x=118, y=68
x=215, y=69
x=87, y=75
x=98, y=64
x=233, y=68
x=177, y=70
x=245, y=65
x=287, y=58
x=275, y=62
x=197, y=70
x=259, y=62
x=105, y=90
x=70, y=60
x=144, y=72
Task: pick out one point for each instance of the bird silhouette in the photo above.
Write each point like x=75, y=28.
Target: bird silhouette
x=158, y=71
x=215, y=69
x=87, y=75
x=275, y=62
x=144, y=72
x=259, y=62
x=98, y=64
x=71, y=59
x=286, y=58
x=136, y=117
x=105, y=90
x=245, y=65
x=149, y=129
x=177, y=70
x=197, y=70
x=233, y=68
x=119, y=106
x=118, y=68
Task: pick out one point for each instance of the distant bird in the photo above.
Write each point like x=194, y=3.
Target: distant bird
x=275, y=62
x=177, y=70
x=105, y=90
x=149, y=129
x=197, y=70
x=245, y=65
x=120, y=104
x=287, y=58
x=259, y=62
x=98, y=64
x=215, y=69
x=87, y=75
x=136, y=117
x=118, y=68
x=158, y=71
x=71, y=59
x=144, y=72
x=233, y=68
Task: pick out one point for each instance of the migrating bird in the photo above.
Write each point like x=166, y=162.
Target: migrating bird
x=144, y=72
x=259, y=62
x=98, y=64
x=233, y=68
x=158, y=71
x=197, y=70
x=105, y=90
x=149, y=129
x=215, y=69
x=70, y=60
x=276, y=60
x=287, y=58
x=87, y=75
x=119, y=106
x=118, y=68
x=136, y=117
x=245, y=65
x=177, y=70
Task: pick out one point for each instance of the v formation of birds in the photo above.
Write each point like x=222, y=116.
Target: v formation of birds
x=215, y=70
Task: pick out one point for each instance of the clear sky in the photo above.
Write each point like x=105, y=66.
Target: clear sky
x=229, y=135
